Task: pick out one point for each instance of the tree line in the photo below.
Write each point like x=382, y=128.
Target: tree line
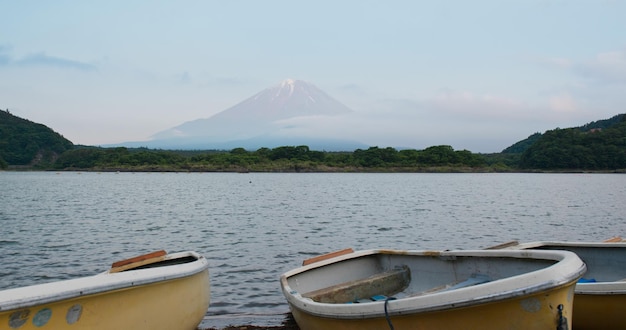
x=579, y=148
x=597, y=146
x=285, y=158
x=23, y=142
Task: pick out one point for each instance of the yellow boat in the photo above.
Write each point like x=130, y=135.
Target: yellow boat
x=153, y=291
x=397, y=289
x=600, y=296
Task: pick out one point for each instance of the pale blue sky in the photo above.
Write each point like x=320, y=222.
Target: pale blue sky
x=477, y=75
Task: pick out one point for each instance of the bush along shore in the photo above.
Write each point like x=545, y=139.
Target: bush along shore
x=438, y=159
x=595, y=147
x=282, y=159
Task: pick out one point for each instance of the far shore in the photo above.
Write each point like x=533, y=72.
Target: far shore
x=440, y=169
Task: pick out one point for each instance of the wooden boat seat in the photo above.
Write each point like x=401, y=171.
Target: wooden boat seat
x=138, y=261
x=383, y=284
x=327, y=256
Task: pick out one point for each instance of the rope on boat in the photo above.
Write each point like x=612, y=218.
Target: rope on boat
x=387, y=313
x=562, y=320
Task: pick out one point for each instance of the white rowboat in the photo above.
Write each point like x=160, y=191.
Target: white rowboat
x=379, y=289
x=154, y=291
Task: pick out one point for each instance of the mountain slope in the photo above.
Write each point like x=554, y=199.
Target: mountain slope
x=522, y=145
x=596, y=146
x=255, y=119
x=23, y=142
x=291, y=98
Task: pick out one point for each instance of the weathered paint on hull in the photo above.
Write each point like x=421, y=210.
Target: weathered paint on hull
x=537, y=311
x=174, y=304
x=599, y=311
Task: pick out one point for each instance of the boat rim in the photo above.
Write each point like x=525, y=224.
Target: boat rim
x=21, y=297
x=536, y=244
x=567, y=269
x=592, y=288
x=601, y=288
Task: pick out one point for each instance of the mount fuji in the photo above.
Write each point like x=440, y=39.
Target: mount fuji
x=263, y=120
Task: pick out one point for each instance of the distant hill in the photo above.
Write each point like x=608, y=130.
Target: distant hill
x=599, y=145
x=602, y=124
x=521, y=146
x=258, y=122
x=23, y=142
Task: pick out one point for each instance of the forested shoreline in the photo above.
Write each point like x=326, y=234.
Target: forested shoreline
x=281, y=159
x=595, y=147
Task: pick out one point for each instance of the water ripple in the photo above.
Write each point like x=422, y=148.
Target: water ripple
x=253, y=228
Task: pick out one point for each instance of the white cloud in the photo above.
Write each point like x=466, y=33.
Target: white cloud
x=551, y=62
x=43, y=60
x=405, y=123
x=593, y=89
x=604, y=68
x=470, y=104
x=559, y=62
x=563, y=103
x=483, y=122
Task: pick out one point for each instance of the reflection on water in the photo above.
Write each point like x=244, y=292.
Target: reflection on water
x=253, y=227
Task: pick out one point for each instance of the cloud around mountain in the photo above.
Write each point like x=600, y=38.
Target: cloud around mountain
x=277, y=116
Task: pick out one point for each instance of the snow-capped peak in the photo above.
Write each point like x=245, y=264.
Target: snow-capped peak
x=287, y=83
x=289, y=99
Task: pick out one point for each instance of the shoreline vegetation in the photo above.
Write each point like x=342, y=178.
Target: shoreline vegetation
x=301, y=159
x=598, y=147
x=295, y=159
x=442, y=169
x=280, y=159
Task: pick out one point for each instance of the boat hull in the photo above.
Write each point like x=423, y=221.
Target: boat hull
x=599, y=311
x=600, y=304
x=524, y=290
x=173, y=302
x=532, y=312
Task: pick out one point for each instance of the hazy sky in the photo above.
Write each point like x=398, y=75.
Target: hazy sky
x=473, y=74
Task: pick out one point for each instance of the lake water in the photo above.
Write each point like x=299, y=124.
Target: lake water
x=253, y=227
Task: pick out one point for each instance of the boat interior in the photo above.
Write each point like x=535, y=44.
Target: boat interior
x=150, y=260
x=604, y=263
x=168, y=262
x=378, y=277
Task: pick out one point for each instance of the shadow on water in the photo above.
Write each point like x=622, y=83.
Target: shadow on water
x=249, y=322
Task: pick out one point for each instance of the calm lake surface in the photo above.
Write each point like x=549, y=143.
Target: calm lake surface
x=253, y=227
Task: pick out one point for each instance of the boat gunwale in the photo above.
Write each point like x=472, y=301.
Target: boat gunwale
x=601, y=288
x=38, y=294
x=568, y=268
x=591, y=288
x=536, y=244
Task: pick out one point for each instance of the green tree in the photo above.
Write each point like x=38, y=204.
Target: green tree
x=23, y=142
x=438, y=156
x=573, y=148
